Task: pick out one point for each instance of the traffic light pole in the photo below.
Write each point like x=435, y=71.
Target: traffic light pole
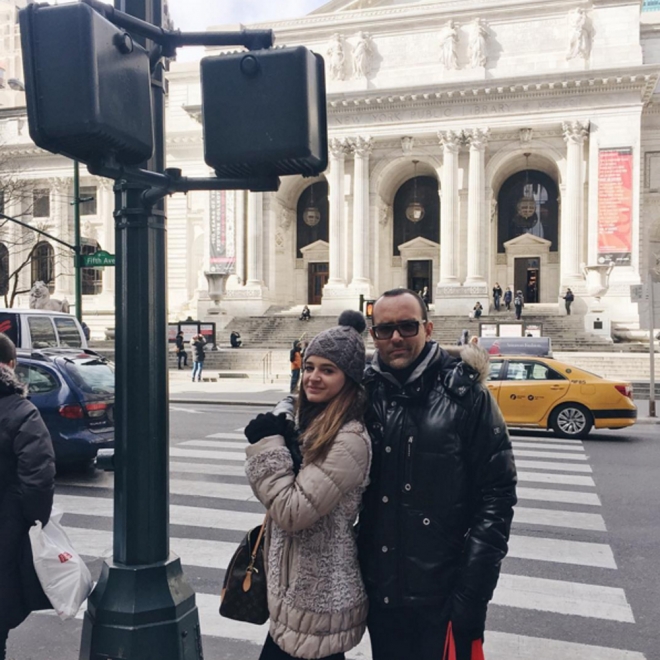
x=142, y=608
x=76, y=238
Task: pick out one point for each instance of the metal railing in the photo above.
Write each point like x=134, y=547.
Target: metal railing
x=267, y=367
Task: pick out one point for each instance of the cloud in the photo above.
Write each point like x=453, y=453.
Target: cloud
x=201, y=14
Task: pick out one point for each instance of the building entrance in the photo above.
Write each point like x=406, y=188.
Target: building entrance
x=420, y=275
x=317, y=279
x=527, y=278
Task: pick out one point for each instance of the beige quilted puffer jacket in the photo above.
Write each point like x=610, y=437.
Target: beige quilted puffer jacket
x=316, y=597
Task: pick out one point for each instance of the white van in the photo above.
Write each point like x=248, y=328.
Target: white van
x=42, y=328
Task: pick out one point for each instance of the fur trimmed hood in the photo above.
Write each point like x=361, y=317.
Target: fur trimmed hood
x=9, y=383
x=473, y=355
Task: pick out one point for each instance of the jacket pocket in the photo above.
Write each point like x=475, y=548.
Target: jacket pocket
x=288, y=559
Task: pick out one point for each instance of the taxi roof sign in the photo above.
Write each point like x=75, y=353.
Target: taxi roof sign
x=532, y=346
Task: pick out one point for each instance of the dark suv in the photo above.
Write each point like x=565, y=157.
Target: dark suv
x=74, y=391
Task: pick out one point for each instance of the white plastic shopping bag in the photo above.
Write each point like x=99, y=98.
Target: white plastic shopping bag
x=63, y=575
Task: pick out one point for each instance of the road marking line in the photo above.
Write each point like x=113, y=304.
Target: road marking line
x=550, y=495
x=552, y=478
x=548, y=454
x=547, y=465
x=208, y=468
x=562, y=552
x=572, y=519
x=568, y=598
x=179, y=515
x=216, y=444
x=541, y=441
x=548, y=446
x=212, y=455
x=225, y=435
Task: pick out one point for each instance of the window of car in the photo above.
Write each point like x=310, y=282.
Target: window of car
x=38, y=380
x=494, y=370
x=68, y=332
x=92, y=376
x=532, y=371
x=42, y=332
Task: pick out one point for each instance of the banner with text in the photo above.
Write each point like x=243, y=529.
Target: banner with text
x=221, y=232
x=615, y=198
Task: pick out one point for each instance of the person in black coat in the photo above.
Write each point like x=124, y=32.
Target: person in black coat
x=568, y=301
x=197, y=344
x=27, y=485
x=181, y=353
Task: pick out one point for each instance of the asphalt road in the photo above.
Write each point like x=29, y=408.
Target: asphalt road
x=580, y=583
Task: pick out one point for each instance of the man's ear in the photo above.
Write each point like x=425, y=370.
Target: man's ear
x=428, y=328
x=12, y=364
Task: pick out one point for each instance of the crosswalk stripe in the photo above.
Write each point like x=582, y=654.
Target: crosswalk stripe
x=208, y=468
x=593, y=522
x=179, y=515
x=212, y=455
x=505, y=646
x=548, y=446
x=548, y=465
x=216, y=444
x=532, y=453
x=544, y=440
x=228, y=436
x=562, y=552
x=567, y=479
x=550, y=495
x=561, y=597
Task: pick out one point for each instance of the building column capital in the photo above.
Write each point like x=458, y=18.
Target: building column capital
x=477, y=138
x=575, y=132
x=451, y=140
x=338, y=148
x=362, y=146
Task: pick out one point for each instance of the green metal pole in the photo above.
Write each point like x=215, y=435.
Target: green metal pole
x=76, y=238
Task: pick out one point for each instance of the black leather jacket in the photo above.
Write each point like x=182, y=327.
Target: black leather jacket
x=437, y=515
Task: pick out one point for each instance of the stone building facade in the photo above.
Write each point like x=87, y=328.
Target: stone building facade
x=471, y=142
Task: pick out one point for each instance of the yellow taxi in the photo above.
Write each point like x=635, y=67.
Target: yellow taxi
x=541, y=392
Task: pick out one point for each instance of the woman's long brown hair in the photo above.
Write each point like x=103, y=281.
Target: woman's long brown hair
x=319, y=424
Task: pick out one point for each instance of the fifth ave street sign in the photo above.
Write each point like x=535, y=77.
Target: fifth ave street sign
x=99, y=259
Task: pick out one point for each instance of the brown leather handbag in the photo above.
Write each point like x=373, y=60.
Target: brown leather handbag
x=244, y=594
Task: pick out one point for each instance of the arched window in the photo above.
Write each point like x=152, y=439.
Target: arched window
x=4, y=269
x=421, y=190
x=312, y=216
x=92, y=278
x=528, y=203
x=43, y=265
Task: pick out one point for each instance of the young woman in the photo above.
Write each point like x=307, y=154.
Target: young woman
x=316, y=597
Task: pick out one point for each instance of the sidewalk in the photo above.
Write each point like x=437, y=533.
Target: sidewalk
x=254, y=392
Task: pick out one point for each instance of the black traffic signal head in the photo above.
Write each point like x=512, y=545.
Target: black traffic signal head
x=87, y=84
x=264, y=113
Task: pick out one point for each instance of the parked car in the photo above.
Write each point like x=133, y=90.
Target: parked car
x=42, y=328
x=74, y=391
x=544, y=393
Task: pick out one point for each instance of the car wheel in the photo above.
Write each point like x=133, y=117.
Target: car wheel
x=571, y=420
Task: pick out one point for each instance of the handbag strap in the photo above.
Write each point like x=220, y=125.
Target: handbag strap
x=260, y=537
x=476, y=652
x=247, y=581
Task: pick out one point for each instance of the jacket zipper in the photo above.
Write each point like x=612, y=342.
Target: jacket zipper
x=408, y=471
x=287, y=560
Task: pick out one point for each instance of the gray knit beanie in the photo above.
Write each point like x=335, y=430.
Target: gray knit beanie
x=343, y=344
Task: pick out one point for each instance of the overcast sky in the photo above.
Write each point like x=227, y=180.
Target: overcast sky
x=199, y=14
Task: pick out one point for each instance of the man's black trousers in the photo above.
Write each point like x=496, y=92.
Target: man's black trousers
x=407, y=633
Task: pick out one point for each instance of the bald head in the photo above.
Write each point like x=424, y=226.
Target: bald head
x=7, y=351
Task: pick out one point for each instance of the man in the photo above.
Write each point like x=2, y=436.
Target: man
x=518, y=304
x=181, y=353
x=27, y=484
x=295, y=358
x=436, y=518
x=235, y=339
x=568, y=301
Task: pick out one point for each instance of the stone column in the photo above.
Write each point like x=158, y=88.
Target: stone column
x=575, y=133
x=338, y=150
x=477, y=223
x=254, y=239
x=362, y=147
x=239, y=223
x=105, y=203
x=451, y=144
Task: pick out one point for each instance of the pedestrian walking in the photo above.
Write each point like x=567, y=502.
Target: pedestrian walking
x=431, y=553
x=464, y=338
x=27, y=484
x=235, y=340
x=295, y=358
x=181, y=353
x=316, y=596
x=518, y=304
x=197, y=344
x=497, y=296
x=477, y=311
x=508, y=297
x=568, y=301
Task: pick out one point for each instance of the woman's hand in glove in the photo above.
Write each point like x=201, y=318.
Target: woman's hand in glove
x=266, y=424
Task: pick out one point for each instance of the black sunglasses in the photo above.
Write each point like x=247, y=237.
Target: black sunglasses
x=405, y=329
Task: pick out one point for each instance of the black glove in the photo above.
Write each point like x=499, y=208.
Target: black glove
x=293, y=445
x=468, y=621
x=266, y=424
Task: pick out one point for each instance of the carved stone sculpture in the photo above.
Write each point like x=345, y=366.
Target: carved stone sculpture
x=336, y=57
x=448, y=44
x=40, y=299
x=407, y=145
x=580, y=37
x=363, y=56
x=478, y=43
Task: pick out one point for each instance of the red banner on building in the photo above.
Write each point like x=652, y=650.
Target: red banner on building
x=615, y=198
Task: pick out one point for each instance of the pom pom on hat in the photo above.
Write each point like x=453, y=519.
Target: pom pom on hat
x=352, y=319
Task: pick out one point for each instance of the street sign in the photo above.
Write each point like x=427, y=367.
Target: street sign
x=99, y=259
x=637, y=293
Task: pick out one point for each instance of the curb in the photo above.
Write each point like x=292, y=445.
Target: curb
x=647, y=420
x=225, y=402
